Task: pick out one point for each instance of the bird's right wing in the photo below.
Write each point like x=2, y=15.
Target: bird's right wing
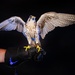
x=48, y=21
x=12, y=23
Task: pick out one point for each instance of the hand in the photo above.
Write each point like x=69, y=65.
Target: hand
x=39, y=56
x=34, y=54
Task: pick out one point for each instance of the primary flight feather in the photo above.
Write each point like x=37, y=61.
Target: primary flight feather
x=32, y=29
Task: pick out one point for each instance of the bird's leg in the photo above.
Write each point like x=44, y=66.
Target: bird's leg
x=38, y=47
x=29, y=43
x=38, y=44
x=27, y=47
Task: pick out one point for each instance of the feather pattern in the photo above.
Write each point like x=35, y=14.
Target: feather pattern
x=13, y=23
x=48, y=21
x=32, y=29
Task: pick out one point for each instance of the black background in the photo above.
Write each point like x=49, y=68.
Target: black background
x=59, y=44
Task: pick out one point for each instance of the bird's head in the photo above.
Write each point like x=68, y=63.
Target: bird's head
x=31, y=18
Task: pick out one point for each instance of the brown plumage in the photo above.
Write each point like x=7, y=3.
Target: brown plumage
x=32, y=29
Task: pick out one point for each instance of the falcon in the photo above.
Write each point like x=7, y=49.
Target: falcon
x=33, y=29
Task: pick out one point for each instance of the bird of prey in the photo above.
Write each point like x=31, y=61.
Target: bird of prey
x=32, y=29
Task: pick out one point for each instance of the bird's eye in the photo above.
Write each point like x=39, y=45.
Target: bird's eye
x=33, y=18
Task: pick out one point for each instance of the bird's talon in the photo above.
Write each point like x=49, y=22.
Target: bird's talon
x=39, y=48
x=27, y=47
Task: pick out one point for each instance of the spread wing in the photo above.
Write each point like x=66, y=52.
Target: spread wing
x=13, y=23
x=48, y=21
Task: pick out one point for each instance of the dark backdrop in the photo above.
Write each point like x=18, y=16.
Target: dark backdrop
x=59, y=44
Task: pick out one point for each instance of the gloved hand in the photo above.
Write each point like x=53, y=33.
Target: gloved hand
x=38, y=56
x=15, y=56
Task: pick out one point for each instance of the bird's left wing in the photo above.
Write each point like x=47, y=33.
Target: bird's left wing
x=12, y=23
x=48, y=21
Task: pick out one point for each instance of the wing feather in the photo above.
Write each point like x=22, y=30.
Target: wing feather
x=48, y=21
x=13, y=23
